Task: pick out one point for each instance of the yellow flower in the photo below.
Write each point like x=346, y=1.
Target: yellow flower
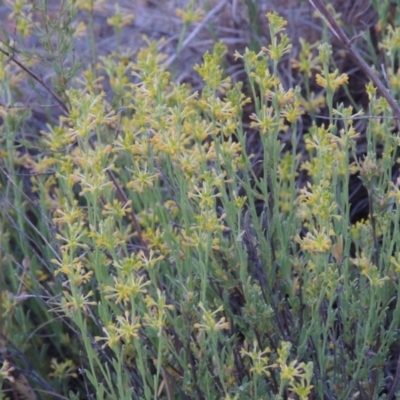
x=370, y=270
x=124, y=289
x=265, y=121
x=120, y=19
x=395, y=192
x=333, y=81
x=111, y=338
x=157, y=313
x=127, y=328
x=307, y=62
x=190, y=15
x=6, y=371
x=63, y=370
x=209, y=322
x=206, y=195
x=78, y=301
x=316, y=242
x=260, y=360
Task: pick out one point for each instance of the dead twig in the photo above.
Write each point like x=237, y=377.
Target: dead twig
x=346, y=42
x=37, y=79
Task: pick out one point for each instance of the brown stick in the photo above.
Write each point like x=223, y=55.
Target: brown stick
x=37, y=79
x=346, y=42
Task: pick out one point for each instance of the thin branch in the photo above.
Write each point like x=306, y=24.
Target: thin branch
x=346, y=42
x=37, y=79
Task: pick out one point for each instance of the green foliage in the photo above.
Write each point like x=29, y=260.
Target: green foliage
x=135, y=261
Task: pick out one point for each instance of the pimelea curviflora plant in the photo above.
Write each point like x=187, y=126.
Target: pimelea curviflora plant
x=174, y=282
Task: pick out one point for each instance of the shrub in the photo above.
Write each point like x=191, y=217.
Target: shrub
x=141, y=249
